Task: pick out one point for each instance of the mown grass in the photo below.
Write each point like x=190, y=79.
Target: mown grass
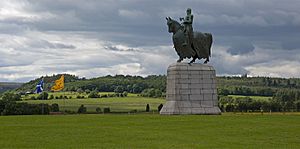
x=262, y=98
x=150, y=131
x=116, y=104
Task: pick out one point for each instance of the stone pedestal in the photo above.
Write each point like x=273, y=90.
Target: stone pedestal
x=191, y=89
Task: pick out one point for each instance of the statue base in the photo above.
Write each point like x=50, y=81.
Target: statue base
x=191, y=89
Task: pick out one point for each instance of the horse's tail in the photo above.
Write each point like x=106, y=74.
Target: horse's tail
x=210, y=40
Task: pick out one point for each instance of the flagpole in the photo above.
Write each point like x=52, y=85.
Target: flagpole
x=43, y=96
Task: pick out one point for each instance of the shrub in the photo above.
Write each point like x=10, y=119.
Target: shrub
x=125, y=94
x=106, y=110
x=147, y=108
x=51, y=96
x=9, y=96
x=56, y=97
x=13, y=108
x=55, y=107
x=81, y=109
x=104, y=96
x=32, y=98
x=160, y=107
x=151, y=92
x=42, y=96
x=93, y=94
x=98, y=110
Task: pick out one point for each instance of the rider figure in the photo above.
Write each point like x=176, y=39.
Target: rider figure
x=188, y=28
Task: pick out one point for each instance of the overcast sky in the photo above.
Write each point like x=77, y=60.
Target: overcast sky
x=92, y=38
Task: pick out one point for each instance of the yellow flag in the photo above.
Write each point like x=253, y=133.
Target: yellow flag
x=59, y=84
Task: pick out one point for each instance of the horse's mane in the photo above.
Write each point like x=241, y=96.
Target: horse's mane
x=177, y=23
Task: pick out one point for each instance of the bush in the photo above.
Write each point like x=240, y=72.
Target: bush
x=51, y=97
x=93, y=94
x=32, y=98
x=104, y=96
x=160, y=107
x=13, y=108
x=80, y=97
x=147, y=108
x=151, y=93
x=125, y=94
x=42, y=96
x=106, y=110
x=81, y=109
x=9, y=96
x=98, y=110
x=56, y=97
x=54, y=107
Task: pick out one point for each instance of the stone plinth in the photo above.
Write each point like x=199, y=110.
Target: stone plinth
x=191, y=89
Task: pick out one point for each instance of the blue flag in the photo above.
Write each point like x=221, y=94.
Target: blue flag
x=39, y=86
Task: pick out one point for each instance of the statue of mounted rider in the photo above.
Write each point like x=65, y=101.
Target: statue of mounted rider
x=187, y=43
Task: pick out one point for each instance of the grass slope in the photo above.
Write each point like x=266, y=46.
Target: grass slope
x=150, y=131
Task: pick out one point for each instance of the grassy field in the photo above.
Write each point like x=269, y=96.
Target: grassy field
x=150, y=131
x=116, y=104
x=265, y=98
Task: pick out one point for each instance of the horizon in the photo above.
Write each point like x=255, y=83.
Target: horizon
x=99, y=38
x=81, y=77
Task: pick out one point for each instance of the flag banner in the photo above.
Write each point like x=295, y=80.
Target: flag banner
x=39, y=86
x=59, y=84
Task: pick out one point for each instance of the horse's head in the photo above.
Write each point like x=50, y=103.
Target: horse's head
x=173, y=25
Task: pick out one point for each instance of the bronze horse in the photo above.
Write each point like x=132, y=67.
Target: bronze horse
x=199, y=47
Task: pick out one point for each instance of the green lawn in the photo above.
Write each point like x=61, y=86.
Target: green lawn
x=116, y=104
x=150, y=131
x=265, y=98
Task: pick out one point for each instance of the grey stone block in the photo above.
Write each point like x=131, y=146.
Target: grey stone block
x=191, y=89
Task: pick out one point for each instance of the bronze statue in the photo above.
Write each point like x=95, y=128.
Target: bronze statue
x=188, y=43
x=188, y=26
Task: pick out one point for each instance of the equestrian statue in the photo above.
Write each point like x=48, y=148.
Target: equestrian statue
x=187, y=43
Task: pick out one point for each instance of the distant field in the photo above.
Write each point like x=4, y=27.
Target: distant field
x=265, y=98
x=227, y=131
x=116, y=104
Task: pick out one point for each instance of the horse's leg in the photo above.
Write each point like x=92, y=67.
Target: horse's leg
x=207, y=60
x=193, y=60
x=179, y=60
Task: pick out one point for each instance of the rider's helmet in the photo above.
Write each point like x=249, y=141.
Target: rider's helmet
x=189, y=11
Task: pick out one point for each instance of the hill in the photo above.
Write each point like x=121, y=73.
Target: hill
x=4, y=86
x=248, y=86
x=120, y=83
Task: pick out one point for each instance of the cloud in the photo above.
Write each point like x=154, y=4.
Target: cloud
x=94, y=38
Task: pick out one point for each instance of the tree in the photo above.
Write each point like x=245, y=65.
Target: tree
x=93, y=94
x=119, y=89
x=42, y=96
x=10, y=96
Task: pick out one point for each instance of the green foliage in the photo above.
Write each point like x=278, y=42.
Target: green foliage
x=42, y=96
x=10, y=96
x=98, y=110
x=106, y=110
x=81, y=109
x=13, y=108
x=51, y=97
x=119, y=89
x=151, y=93
x=54, y=107
x=93, y=94
x=147, y=108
